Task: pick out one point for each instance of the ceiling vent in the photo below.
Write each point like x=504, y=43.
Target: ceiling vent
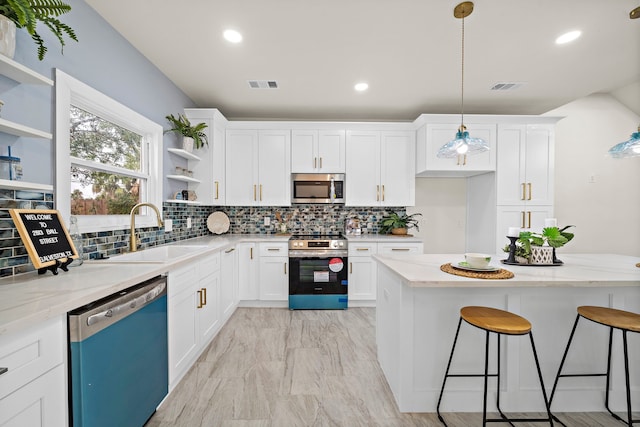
x=263, y=84
x=505, y=86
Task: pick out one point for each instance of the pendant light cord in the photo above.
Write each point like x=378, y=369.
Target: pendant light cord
x=462, y=81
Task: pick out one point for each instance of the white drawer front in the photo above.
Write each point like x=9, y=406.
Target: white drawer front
x=274, y=249
x=399, y=248
x=362, y=249
x=30, y=353
x=209, y=265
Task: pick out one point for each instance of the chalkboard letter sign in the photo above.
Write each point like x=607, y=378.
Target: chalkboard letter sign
x=45, y=237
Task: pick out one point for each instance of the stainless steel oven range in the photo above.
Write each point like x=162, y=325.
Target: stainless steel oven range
x=318, y=272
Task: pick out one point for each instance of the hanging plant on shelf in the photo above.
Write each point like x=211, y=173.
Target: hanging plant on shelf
x=192, y=134
x=27, y=13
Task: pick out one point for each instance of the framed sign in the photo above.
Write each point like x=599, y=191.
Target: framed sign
x=45, y=236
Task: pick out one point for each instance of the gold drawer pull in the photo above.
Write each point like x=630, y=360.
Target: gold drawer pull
x=401, y=249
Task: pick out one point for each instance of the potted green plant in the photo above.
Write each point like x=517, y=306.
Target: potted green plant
x=27, y=13
x=538, y=248
x=398, y=224
x=193, y=135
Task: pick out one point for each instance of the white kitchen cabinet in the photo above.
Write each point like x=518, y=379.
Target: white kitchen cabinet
x=274, y=267
x=431, y=136
x=209, y=169
x=525, y=164
x=228, y=283
x=193, y=310
x=399, y=248
x=318, y=151
x=380, y=168
x=362, y=271
x=248, y=284
x=258, y=167
x=33, y=389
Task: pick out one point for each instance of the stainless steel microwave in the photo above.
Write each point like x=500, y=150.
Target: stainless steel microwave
x=321, y=188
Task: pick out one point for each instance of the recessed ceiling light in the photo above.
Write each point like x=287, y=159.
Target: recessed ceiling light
x=361, y=87
x=568, y=37
x=232, y=36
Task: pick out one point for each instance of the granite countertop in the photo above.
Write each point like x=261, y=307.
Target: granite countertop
x=578, y=270
x=30, y=298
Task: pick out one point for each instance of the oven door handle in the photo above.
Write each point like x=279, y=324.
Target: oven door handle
x=317, y=254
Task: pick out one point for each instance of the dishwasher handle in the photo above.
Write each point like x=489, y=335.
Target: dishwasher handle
x=130, y=304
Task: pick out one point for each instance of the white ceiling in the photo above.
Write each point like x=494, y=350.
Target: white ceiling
x=409, y=52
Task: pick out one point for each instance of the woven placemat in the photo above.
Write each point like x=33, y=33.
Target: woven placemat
x=498, y=274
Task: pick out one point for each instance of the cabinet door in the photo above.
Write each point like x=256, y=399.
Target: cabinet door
x=274, y=278
x=363, y=169
x=538, y=169
x=510, y=178
x=182, y=305
x=397, y=169
x=528, y=218
x=331, y=151
x=362, y=278
x=248, y=286
x=208, y=307
x=439, y=134
x=241, y=167
x=228, y=282
x=304, y=156
x=40, y=403
x=274, y=166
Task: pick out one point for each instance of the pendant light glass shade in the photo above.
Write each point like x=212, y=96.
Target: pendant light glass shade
x=462, y=144
x=629, y=148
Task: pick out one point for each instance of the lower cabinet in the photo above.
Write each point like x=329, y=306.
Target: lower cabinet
x=363, y=268
x=248, y=284
x=228, y=282
x=194, y=312
x=33, y=390
x=274, y=276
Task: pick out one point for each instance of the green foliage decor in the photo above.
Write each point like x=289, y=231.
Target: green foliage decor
x=182, y=126
x=395, y=220
x=27, y=13
x=551, y=236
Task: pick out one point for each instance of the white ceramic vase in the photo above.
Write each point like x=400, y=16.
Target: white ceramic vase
x=187, y=144
x=541, y=255
x=7, y=37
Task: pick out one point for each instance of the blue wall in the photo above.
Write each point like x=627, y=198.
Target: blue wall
x=102, y=59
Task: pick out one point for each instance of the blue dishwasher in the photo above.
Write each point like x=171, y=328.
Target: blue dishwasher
x=118, y=357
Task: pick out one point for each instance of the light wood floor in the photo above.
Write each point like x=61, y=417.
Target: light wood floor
x=281, y=368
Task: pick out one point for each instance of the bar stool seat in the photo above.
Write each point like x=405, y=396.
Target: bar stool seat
x=493, y=320
x=625, y=321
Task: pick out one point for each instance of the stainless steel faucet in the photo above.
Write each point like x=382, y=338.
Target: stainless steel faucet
x=133, y=240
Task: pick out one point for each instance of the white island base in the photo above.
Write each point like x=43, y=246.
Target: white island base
x=418, y=309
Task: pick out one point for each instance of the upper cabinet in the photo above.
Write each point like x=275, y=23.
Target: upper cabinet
x=208, y=163
x=318, y=151
x=258, y=167
x=431, y=136
x=380, y=168
x=525, y=164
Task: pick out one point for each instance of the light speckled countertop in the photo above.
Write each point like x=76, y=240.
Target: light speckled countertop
x=30, y=298
x=579, y=270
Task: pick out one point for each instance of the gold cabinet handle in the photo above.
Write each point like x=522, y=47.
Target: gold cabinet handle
x=204, y=298
x=529, y=185
x=285, y=268
x=400, y=249
x=315, y=162
x=524, y=191
x=217, y=190
x=362, y=249
x=529, y=216
x=522, y=222
x=458, y=160
x=464, y=161
x=199, y=298
x=250, y=253
x=377, y=193
x=254, y=192
x=260, y=192
x=273, y=249
x=229, y=250
x=320, y=162
x=383, y=192
x=350, y=268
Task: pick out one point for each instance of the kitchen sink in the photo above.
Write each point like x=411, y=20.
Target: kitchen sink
x=154, y=255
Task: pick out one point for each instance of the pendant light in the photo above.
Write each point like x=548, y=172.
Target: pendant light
x=629, y=148
x=462, y=144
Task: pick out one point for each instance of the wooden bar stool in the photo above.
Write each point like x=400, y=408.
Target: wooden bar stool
x=625, y=321
x=499, y=322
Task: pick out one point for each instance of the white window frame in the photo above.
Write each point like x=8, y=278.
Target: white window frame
x=70, y=91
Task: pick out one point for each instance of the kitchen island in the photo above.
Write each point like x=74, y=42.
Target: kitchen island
x=418, y=308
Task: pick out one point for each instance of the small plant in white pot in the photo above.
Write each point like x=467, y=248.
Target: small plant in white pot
x=398, y=224
x=192, y=135
x=538, y=248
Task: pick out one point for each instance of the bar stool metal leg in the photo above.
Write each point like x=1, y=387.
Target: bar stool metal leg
x=446, y=374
